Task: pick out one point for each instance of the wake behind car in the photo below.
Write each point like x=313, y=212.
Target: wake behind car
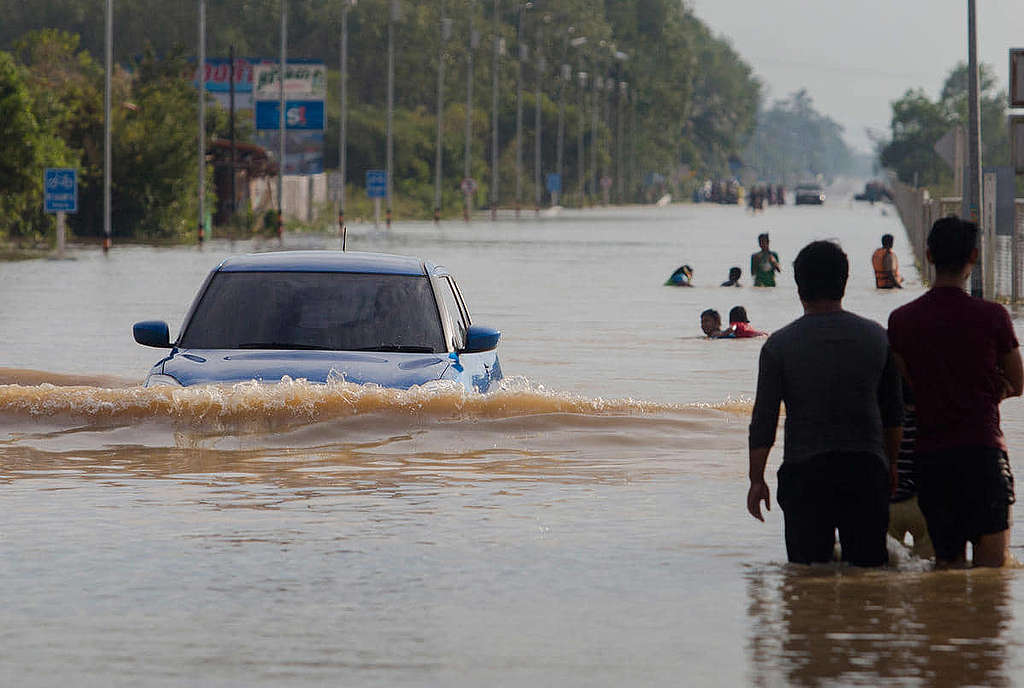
x=809, y=194
x=394, y=321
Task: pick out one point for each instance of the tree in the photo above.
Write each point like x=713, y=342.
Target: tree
x=29, y=146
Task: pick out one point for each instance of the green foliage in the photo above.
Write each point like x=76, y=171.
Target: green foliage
x=29, y=145
x=919, y=122
x=691, y=100
x=794, y=142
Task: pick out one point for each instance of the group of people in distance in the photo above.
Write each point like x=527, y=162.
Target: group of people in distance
x=856, y=450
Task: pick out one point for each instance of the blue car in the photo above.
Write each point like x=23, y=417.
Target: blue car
x=394, y=321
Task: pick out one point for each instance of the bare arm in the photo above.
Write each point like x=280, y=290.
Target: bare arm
x=1013, y=373
x=758, y=491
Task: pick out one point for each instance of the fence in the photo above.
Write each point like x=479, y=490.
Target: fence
x=303, y=195
x=1002, y=253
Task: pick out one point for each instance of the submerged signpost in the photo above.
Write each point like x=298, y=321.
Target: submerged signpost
x=60, y=196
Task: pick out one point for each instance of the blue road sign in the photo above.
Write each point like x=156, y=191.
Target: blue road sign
x=298, y=114
x=60, y=190
x=376, y=184
x=554, y=183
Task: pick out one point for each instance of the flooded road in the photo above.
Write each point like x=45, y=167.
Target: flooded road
x=584, y=525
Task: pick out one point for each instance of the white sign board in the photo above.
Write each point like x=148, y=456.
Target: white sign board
x=1017, y=143
x=1017, y=77
x=303, y=81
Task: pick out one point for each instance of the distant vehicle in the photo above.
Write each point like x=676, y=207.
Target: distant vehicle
x=809, y=194
x=394, y=321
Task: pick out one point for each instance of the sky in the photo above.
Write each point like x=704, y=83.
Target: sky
x=856, y=56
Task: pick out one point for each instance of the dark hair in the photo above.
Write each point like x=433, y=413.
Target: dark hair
x=821, y=270
x=762, y=236
x=738, y=314
x=950, y=242
x=711, y=312
x=734, y=273
x=887, y=240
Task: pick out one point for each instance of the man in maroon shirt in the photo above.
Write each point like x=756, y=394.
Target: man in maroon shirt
x=961, y=357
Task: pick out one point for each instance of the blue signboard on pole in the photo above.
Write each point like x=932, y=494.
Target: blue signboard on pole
x=554, y=183
x=376, y=184
x=298, y=114
x=60, y=190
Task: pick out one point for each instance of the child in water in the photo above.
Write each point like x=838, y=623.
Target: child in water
x=711, y=324
x=739, y=324
x=734, y=278
x=681, y=277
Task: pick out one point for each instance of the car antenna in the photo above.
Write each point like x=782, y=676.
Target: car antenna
x=344, y=236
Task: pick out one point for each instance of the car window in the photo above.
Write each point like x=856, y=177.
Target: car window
x=455, y=312
x=316, y=310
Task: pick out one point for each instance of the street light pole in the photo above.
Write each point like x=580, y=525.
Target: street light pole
x=281, y=119
x=538, y=129
x=389, y=145
x=445, y=31
x=468, y=157
x=343, y=121
x=521, y=54
x=201, y=60
x=109, y=50
x=581, y=156
x=973, y=198
x=494, y=115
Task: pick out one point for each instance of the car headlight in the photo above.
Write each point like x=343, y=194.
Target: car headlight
x=158, y=380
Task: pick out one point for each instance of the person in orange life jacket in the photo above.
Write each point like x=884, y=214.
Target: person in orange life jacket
x=886, y=265
x=739, y=324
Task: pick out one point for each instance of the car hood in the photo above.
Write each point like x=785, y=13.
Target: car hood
x=219, y=366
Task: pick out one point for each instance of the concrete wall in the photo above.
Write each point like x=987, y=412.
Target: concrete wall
x=303, y=195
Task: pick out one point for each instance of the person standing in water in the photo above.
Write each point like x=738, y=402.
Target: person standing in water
x=961, y=357
x=764, y=264
x=844, y=411
x=886, y=266
x=734, y=278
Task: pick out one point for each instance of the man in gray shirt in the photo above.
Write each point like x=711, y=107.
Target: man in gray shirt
x=835, y=373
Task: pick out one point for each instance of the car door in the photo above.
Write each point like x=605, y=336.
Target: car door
x=476, y=370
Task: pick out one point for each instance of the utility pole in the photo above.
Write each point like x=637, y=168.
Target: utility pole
x=581, y=157
x=594, y=114
x=619, y=162
x=201, y=59
x=109, y=49
x=343, y=118
x=231, y=130
x=521, y=53
x=468, y=156
x=494, y=114
x=538, y=130
x=281, y=119
x=973, y=199
x=390, y=149
x=438, y=161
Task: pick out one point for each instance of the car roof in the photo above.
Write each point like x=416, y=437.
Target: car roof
x=327, y=261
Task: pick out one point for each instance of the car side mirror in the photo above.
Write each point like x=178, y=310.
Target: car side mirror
x=152, y=333
x=479, y=338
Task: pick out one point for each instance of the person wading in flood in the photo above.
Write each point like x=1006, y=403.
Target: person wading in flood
x=844, y=411
x=886, y=265
x=962, y=358
x=764, y=264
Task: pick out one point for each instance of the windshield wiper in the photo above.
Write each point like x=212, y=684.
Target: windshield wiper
x=283, y=345
x=399, y=348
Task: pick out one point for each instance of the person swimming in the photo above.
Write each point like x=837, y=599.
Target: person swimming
x=734, y=278
x=711, y=325
x=681, y=277
x=739, y=324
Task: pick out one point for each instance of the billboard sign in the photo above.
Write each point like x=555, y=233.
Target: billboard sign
x=304, y=80
x=1017, y=143
x=1017, y=77
x=298, y=115
x=60, y=190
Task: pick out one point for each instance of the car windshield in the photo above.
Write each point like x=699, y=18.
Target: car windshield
x=316, y=310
